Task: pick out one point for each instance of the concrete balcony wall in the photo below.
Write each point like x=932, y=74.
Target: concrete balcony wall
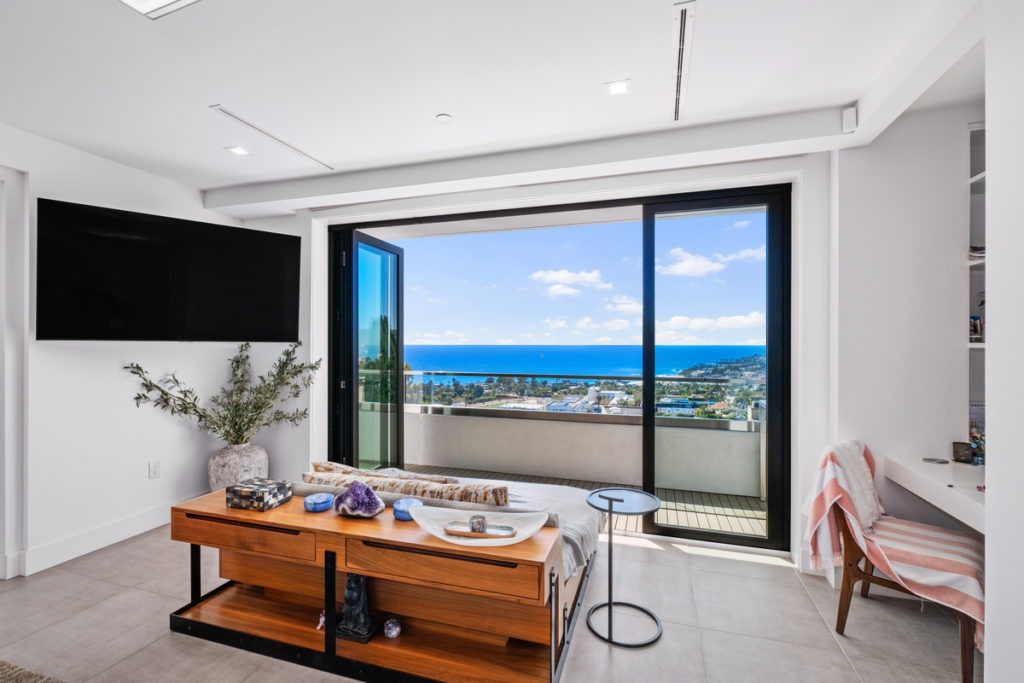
x=716, y=460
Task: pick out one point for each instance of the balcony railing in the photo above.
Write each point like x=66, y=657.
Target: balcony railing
x=606, y=399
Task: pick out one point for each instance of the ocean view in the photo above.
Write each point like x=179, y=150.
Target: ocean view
x=568, y=360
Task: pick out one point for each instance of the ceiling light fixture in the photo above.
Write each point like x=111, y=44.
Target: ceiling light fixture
x=444, y=118
x=620, y=87
x=252, y=126
x=154, y=9
x=239, y=150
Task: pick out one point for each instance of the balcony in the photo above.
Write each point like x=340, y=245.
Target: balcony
x=709, y=473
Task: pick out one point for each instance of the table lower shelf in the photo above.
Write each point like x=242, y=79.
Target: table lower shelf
x=423, y=649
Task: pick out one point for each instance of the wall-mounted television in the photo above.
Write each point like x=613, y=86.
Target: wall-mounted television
x=118, y=275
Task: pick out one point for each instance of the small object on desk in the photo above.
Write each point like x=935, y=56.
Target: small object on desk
x=356, y=624
x=323, y=620
x=392, y=628
x=979, y=487
x=962, y=451
x=358, y=500
x=401, y=508
x=936, y=461
x=490, y=530
x=318, y=502
x=478, y=524
x=258, y=494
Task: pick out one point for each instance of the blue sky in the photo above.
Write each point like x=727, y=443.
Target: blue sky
x=582, y=284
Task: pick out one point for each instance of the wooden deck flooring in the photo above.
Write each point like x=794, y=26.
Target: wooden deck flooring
x=689, y=509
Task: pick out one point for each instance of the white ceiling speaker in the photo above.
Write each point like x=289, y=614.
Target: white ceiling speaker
x=154, y=9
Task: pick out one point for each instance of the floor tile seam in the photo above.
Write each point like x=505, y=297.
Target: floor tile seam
x=778, y=640
x=781, y=583
x=840, y=640
x=828, y=625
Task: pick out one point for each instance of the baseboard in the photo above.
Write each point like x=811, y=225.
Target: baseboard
x=68, y=548
x=12, y=565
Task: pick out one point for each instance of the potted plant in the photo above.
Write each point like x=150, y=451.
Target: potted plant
x=241, y=409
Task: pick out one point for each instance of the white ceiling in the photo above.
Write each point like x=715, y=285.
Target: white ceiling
x=357, y=83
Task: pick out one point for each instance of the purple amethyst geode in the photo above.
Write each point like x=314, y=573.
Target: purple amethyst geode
x=358, y=500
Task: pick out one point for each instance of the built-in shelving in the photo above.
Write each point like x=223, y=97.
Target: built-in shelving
x=976, y=280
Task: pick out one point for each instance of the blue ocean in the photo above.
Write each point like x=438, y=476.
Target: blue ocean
x=566, y=360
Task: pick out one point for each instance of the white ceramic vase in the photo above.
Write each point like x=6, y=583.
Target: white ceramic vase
x=236, y=463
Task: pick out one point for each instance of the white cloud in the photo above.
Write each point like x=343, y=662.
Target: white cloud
x=603, y=340
x=698, y=265
x=743, y=255
x=757, y=342
x=669, y=337
x=446, y=337
x=562, y=290
x=725, y=322
x=582, y=278
x=692, y=265
x=617, y=324
x=739, y=225
x=586, y=323
x=555, y=323
x=624, y=304
x=505, y=341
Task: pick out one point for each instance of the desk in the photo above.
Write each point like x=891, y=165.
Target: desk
x=932, y=482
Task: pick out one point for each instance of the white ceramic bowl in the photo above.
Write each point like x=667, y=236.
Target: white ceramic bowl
x=432, y=520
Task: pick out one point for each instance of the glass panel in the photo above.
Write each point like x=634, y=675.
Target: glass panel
x=710, y=303
x=379, y=355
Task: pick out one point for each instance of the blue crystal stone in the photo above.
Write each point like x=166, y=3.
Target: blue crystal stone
x=401, y=508
x=318, y=502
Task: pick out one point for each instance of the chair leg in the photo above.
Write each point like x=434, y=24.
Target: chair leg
x=967, y=627
x=845, y=593
x=869, y=569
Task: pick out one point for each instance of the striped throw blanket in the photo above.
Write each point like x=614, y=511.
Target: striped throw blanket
x=937, y=564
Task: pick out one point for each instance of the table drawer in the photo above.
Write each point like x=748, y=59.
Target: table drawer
x=222, y=533
x=414, y=565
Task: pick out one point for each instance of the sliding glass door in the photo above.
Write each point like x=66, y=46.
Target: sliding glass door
x=715, y=427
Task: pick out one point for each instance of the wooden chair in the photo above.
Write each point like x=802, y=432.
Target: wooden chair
x=852, y=573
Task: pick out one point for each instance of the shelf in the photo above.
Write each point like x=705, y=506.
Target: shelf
x=423, y=648
x=980, y=178
x=976, y=346
x=976, y=263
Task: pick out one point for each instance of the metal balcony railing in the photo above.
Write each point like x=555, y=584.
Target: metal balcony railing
x=606, y=399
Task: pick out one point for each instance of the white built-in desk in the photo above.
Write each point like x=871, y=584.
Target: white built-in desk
x=932, y=482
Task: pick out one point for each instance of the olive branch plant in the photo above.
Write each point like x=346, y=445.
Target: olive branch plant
x=243, y=406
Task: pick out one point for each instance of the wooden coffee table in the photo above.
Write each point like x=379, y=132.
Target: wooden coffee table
x=467, y=613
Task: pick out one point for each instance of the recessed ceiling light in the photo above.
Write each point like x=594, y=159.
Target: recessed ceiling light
x=619, y=87
x=444, y=118
x=154, y=9
x=239, y=150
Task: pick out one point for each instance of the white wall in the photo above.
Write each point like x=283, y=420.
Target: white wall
x=1004, y=514
x=86, y=445
x=902, y=358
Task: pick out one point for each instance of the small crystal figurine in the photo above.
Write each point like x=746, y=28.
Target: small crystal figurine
x=478, y=524
x=392, y=627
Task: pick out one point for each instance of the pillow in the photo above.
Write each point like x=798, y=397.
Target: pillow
x=389, y=473
x=468, y=493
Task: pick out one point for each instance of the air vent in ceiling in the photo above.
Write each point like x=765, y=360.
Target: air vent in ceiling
x=683, y=13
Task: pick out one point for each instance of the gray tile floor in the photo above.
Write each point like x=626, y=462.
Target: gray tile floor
x=728, y=616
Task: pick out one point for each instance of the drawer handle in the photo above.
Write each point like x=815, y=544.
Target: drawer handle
x=435, y=553
x=248, y=525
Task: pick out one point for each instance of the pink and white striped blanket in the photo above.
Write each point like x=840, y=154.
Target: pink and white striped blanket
x=941, y=565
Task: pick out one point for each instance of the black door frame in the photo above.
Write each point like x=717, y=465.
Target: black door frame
x=778, y=200
x=343, y=368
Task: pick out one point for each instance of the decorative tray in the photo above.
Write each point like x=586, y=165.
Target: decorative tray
x=503, y=528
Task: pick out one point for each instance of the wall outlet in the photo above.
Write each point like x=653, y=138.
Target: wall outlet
x=154, y=469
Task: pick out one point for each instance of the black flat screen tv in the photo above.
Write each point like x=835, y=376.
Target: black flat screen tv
x=118, y=275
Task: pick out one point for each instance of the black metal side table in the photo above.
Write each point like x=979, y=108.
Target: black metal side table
x=621, y=501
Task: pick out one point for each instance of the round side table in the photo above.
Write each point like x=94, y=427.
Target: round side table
x=621, y=501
